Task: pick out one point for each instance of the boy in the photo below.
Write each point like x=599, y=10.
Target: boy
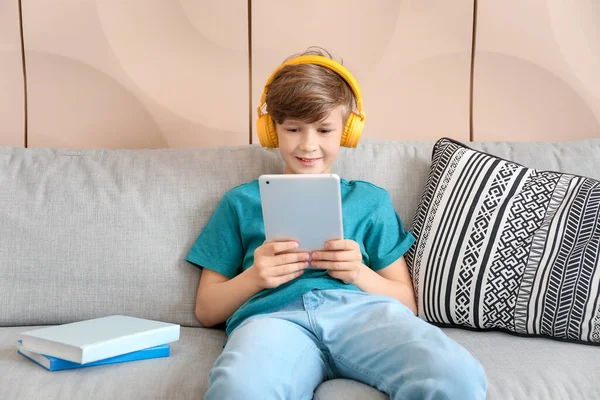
x=291, y=327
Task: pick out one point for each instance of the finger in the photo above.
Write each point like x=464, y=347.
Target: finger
x=286, y=278
x=289, y=258
x=289, y=269
x=341, y=275
x=341, y=244
x=282, y=247
x=335, y=255
x=334, y=274
x=334, y=265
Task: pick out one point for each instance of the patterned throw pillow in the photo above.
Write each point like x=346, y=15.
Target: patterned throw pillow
x=501, y=246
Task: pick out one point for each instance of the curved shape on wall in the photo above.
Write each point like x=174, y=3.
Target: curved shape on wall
x=529, y=102
x=535, y=74
x=412, y=59
x=12, y=99
x=140, y=74
x=79, y=100
x=577, y=33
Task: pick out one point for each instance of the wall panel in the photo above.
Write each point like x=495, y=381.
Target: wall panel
x=137, y=73
x=412, y=59
x=537, y=69
x=12, y=104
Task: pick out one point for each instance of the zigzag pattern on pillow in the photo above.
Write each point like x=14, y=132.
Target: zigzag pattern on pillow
x=502, y=246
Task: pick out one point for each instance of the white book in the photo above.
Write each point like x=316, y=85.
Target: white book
x=97, y=339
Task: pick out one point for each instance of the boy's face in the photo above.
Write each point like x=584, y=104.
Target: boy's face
x=310, y=148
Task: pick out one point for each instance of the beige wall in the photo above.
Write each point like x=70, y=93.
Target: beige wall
x=412, y=60
x=537, y=70
x=136, y=73
x=157, y=73
x=12, y=106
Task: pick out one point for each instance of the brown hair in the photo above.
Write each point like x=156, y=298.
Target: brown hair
x=308, y=92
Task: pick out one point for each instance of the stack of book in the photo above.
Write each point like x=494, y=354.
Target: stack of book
x=107, y=340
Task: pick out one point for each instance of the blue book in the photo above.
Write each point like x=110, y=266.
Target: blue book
x=96, y=339
x=57, y=364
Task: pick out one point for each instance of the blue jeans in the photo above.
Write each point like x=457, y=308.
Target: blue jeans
x=329, y=334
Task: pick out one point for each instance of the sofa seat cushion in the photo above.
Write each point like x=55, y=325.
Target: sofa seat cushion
x=521, y=367
x=182, y=375
x=517, y=368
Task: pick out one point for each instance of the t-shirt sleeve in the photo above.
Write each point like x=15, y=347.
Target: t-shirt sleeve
x=387, y=240
x=219, y=245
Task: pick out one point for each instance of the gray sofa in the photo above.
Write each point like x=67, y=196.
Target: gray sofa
x=88, y=233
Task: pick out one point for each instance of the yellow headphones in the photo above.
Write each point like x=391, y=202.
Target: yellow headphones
x=354, y=125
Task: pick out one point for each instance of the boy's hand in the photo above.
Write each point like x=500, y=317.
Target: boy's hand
x=275, y=264
x=341, y=258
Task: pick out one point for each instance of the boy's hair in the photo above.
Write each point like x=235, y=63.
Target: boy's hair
x=308, y=92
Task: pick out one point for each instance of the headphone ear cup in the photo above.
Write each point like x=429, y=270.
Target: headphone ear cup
x=352, y=130
x=272, y=132
x=265, y=128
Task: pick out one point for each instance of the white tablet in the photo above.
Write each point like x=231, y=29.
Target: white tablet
x=306, y=208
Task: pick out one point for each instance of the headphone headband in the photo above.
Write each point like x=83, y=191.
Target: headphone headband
x=324, y=62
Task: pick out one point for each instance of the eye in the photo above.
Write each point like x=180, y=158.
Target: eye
x=325, y=131
x=292, y=130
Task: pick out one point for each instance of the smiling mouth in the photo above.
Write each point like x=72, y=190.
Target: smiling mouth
x=308, y=161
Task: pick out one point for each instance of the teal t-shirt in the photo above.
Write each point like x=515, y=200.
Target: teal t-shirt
x=226, y=244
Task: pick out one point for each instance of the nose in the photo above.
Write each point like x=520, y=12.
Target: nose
x=309, y=141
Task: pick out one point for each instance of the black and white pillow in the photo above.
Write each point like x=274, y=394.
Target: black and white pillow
x=502, y=246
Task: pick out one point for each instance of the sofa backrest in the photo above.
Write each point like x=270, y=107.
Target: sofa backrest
x=89, y=233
